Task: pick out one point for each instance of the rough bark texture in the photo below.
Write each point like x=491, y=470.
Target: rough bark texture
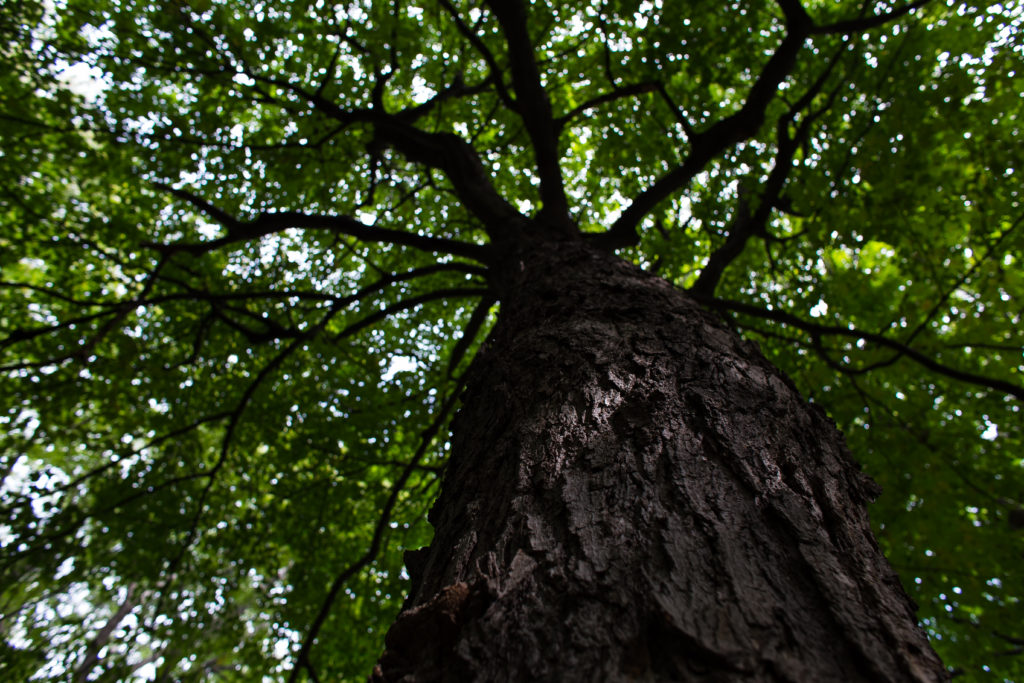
x=636, y=494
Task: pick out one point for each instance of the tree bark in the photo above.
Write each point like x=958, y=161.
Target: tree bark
x=634, y=493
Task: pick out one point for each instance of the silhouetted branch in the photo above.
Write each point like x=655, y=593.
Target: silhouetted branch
x=112, y=463
x=270, y=223
x=711, y=142
x=96, y=644
x=818, y=330
x=85, y=348
x=448, y=152
x=964, y=277
x=616, y=94
x=210, y=474
x=302, y=660
x=866, y=23
x=410, y=303
x=534, y=107
x=476, y=321
x=947, y=456
x=749, y=223
x=478, y=44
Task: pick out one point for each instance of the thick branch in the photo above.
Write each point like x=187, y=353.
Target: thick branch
x=460, y=163
x=749, y=223
x=534, y=106
x=445, y=151
x=743, y=228
x=722, y=135
x=449, y=153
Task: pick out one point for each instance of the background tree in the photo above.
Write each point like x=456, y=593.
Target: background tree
x=245, y=262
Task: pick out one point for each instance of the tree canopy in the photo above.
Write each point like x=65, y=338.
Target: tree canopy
x=244, y=249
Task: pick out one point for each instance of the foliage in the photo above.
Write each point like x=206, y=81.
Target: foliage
x=244, y=263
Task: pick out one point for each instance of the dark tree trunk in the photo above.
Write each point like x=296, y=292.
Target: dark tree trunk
x=636, y=494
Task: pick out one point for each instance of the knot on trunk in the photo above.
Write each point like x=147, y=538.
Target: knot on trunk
x=420, y=646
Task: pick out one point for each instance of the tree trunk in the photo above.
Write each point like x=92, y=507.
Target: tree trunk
x=634, y=493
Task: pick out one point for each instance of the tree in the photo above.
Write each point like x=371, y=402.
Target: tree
x=251, y=253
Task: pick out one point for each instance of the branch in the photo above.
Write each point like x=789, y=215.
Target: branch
x=460, y=163
x=743, y=228
x=488, y=57
x=476, y=321
x=270, y=223
x=4, y=116
x=617, y=93
x=816, y=330
x=302, y=660
x=922, y=436
x=85, y=346
x=677, y=113
x=534, y=107
x=747, y=223
x=445, y=151
x=194, y=294
x=21, y=498
x=857, y=25
x=455, y=90
x=20, y=334
x=210, y=474
x=794, y=12
x=410, y=303
x=96, y=644
x=274, y=331
x=962, y=280
x=720, y=136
